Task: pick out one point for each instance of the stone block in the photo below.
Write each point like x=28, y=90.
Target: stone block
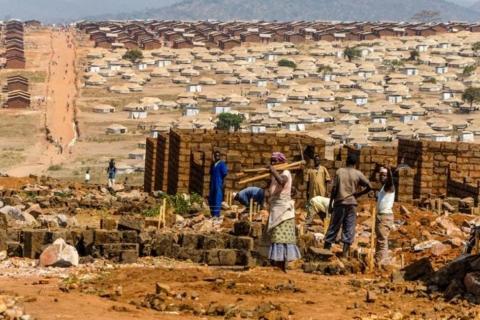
x=163, y=244
x=108, y=224
x=128, y=256
x=241, y=228
x=221, y=257
x=191, y=240
x=212, y=242
x=14, y=249
x=419, y=269
x=129, y=236
x=106, y=236
x=3, y=240
x=3, y=221
x=241, y=243
x=34, y=240
x=193, y=255
x=129, y=222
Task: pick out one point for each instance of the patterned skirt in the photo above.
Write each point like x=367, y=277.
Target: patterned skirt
x=284, y=242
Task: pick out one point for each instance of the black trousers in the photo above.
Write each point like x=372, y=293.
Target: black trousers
x=344, y=217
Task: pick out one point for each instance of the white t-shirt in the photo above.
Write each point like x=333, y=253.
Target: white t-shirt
x=87, y=176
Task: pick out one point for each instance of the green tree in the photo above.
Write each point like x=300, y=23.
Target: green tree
x=476, y=46
x=229, y=120
x=287, y=63
x=471, y=95
x=325, y=69
x=414, y=54
x=469, y=70
x=351, y=53
x=133, y=55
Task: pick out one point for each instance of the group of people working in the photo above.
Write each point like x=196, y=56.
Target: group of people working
x=341, y=206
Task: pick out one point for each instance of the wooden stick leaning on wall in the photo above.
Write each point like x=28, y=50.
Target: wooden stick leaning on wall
x=164, y=212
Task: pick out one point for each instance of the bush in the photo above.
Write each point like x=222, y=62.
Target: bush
x=468, y=70
x=228, y=120
x=352, y=53
x=55, y=167
x=287, y=63
x=182, y=204
x=133, y=55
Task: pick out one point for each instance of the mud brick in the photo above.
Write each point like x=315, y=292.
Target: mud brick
x=221, y=257
x=241, y=243
x=14, y=249
x=106, y=236
x=163, y=244
x=241, y=228
x=108, y=224
x=128, y=256
x=14, y=235
x=34, y=240
x=131, y=223
x=3, y=222
x=87, y=240
x=212, y=242
x=245, y=258
x=190, y=254
x=129, y=236
x=114, y=249
x=3, y=240
x=54, y=235
x=191, y=240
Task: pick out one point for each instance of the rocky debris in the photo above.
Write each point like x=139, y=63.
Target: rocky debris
x=11, y=309
x=371, y=296
x=56, y=221
x=419, y=269
x=59, y=254
x=130, y=222
x=17, y=217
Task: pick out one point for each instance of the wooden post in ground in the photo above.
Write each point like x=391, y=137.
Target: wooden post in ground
x=164, y=207
x=371, y=254
x=250, y=215
x=160, y=209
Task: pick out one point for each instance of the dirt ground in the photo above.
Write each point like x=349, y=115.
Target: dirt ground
x=300, y=295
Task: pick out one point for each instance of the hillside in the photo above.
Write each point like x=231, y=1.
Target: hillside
x=306, y=10
x=67, y=10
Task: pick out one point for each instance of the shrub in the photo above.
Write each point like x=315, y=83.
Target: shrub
x=287, y=63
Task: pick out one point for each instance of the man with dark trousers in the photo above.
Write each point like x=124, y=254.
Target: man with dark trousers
x=343, y=200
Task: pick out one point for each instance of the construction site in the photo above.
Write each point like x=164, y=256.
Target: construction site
x=83, y=237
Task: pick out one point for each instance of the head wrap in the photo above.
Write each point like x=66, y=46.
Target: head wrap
x=279, y=157
x=383, y=170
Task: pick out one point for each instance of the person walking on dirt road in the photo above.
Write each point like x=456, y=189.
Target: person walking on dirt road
x=111, y=172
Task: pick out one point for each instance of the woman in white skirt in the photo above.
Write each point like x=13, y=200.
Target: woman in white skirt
x=281, y=222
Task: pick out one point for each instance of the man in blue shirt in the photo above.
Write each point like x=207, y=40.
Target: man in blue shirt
x=255, y=193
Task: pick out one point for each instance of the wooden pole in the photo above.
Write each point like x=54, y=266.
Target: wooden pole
x=280, y=166
x=164, y=207
x=251, y=210
x=371, y=263
x=160, y=215
x=292, y=166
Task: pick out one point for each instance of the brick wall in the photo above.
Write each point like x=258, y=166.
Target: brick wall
x=432, y=160
x=190, y=157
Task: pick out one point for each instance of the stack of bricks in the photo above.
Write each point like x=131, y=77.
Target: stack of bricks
x=240, y=150
x=150, y=165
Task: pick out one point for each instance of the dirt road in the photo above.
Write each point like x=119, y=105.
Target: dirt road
x=60, y=95
x=61, y=90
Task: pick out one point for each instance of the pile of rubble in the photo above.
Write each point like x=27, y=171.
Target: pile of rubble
x=11, y=309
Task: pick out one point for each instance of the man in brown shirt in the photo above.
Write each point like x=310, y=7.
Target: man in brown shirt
x=317, y=179
x=344, y=202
